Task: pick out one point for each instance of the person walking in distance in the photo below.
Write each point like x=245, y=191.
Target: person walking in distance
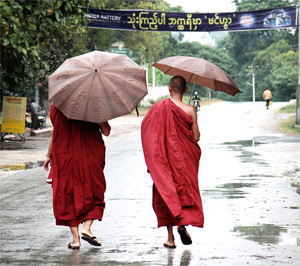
x=267, y=95
x=35, y=108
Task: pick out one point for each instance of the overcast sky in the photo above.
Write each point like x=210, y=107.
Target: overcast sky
x=204, y=6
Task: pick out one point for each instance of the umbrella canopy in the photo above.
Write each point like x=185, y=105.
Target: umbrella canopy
x=198, y=71
x=97, y=86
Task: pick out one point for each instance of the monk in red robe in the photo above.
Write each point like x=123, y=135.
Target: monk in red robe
x=169, y=137
x=77, y=157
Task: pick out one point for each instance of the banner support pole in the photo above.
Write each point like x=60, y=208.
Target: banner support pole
x=298, y=85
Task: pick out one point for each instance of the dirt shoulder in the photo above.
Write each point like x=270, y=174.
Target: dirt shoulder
x=283, y=155
x=271, y=119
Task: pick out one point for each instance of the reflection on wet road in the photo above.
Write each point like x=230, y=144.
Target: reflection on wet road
x=266, y=233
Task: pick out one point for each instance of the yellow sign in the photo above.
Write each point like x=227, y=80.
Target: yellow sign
x=13, y=114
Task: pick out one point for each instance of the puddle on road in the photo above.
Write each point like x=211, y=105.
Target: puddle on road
x=246, y=156
x=238, y=185
x=295, y=185
x=221, y=194
x=229, y=191
x=251, y=157
x=295, y=207
x=266, y=233
x=244, y=143
x=21, y=166
x=256, y=175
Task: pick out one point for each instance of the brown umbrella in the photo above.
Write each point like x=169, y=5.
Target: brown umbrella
x=97, y=86
x=198, y=71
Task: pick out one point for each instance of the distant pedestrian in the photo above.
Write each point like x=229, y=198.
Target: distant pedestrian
x=35, y=109
x=169, y=137
x=196, y=99
x=267, y=97
x=77, y=157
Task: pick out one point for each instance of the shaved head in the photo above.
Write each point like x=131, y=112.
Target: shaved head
x=178, y=84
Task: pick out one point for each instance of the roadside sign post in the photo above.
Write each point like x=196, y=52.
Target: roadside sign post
x=13, y=116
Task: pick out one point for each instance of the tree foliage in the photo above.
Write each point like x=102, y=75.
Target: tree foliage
x=35, y=38
x=256, y=51
x=283, y=76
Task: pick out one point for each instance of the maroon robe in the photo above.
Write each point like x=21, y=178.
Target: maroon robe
x=78, y=159
x=172, y=157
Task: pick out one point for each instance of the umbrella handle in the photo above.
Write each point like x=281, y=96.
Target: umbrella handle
x=137, y=111
x=192, y=93
x=193, y=89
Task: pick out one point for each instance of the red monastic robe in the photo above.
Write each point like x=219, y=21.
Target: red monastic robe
x=172, y=157
x=78, y=159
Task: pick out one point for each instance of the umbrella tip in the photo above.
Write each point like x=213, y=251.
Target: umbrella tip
x=95, y=70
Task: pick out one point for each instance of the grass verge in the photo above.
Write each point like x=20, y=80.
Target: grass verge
x=291, y=108
x=287, y=126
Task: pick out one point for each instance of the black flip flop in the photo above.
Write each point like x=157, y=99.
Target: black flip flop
x=92, y=240
x=185, y=237
x=72, y=247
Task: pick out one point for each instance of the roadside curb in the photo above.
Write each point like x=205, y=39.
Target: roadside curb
x=10, y=137
x=41, y=132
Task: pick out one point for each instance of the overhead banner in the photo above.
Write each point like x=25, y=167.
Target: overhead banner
x=167, y=21
x=13, y=114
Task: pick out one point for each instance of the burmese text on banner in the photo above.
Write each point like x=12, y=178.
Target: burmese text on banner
x=166, y=21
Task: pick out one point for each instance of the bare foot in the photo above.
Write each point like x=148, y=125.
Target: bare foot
x=73, y=245
x=170, y=244
x=87, y=232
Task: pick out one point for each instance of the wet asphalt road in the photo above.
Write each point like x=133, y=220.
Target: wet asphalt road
x=252, y=212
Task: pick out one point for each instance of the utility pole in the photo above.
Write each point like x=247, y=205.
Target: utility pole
x=298, y=85
x=253, y=83
x=153, y=78
x=37, y=93
x=253, y=86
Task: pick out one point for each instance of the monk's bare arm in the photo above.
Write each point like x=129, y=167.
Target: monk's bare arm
x=105, y=128
x=195, y=128
x=49, y=157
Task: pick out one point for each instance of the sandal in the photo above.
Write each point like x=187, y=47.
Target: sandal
x=90, y=239
x=184, y=236
x=169, y=246
x=72, y=247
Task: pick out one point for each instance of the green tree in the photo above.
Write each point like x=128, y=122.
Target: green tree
x=283, y=76
x=32, y=35
x=273, y=60
x=245, y=47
